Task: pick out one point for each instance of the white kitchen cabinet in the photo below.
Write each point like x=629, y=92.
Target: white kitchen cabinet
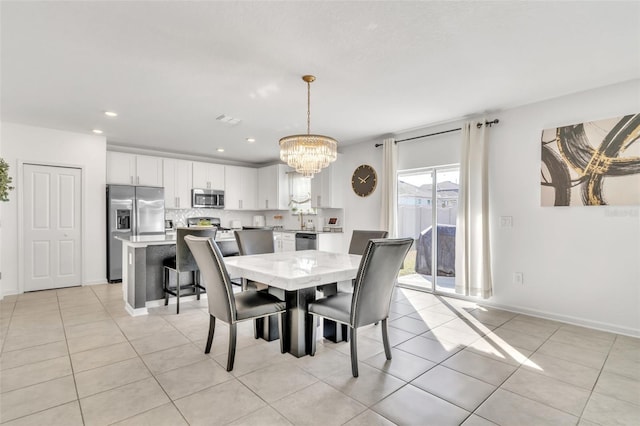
x=131, y=169
x=240, y=188
x=148, y=170
x=330, y=242
x=284, y=241
x=208, y=175
x=273, y=187
x=177, y=176
x=121, y=168
x=323, y=191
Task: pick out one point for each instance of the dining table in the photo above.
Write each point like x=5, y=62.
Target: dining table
x=294, y=277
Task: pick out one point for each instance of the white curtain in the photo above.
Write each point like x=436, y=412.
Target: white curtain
x=473, y=257
x=389, y=186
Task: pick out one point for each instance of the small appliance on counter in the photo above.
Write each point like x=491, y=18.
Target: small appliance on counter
x=332, y=225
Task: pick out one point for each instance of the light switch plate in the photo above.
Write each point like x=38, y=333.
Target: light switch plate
x=506, y=221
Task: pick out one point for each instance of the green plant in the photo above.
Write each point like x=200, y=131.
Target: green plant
x=5, y=181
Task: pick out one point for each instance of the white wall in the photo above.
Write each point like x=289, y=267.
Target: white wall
x=22, y=143
x=580, y=264
x=359, y=212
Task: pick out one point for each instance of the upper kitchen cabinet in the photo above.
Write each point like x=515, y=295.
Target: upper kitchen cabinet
x=177, y=183
x=131, y=169
x=273, y=187
x=148, y=170
x=240, y=188
x=121, y=168
x=208, y=176
x=323, y=191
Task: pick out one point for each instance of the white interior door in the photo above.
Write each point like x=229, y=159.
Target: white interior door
x=52, y=227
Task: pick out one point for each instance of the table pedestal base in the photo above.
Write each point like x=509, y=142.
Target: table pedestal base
x=298, y=343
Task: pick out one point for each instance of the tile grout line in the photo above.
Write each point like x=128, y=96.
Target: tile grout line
x=150, y=372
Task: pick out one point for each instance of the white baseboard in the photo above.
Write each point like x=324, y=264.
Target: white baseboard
x=95, y=282
x=135, y=312
x=583, y=322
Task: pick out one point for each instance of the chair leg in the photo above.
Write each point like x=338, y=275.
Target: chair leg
x=212, y=329
x=232, y=346
x=177, y=292
x=165, y=283
x=311, y=331
x=196, y=281
x=385, y=339
x=281, y=326
x=354, y=352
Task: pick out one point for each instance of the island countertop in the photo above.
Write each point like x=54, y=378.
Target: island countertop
x=168, y=238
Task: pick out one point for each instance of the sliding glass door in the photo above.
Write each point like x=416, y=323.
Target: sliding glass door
x=426, y=197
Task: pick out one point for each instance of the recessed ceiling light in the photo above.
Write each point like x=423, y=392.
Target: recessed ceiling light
x=97, y=131
x=251, y=140
x=110, y=114
x=220, y=149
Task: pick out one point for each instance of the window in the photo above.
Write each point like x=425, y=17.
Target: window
x=300, y=193
x=419, y=190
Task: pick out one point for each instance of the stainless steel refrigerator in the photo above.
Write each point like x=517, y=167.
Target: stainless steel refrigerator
x=131, y=211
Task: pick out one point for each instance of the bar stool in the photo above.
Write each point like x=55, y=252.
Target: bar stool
x=184, y=262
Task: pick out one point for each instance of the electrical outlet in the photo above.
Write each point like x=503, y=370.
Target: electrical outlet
x=506, y=221
x=518, y=278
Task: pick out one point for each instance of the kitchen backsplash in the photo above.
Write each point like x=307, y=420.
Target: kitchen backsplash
x=287, y=221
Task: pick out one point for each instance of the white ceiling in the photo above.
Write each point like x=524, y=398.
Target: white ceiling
x=170, y=68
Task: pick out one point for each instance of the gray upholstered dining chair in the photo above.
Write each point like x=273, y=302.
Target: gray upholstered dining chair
x=371, y=296
x=254, y=241
x=181, y=263
x=223, y=304
x=360, y=238
x=358, y=244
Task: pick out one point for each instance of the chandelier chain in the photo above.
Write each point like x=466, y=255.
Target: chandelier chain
x=308, y=154
x=308, y=107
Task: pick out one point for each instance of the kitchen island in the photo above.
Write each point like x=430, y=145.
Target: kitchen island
x=142, y=269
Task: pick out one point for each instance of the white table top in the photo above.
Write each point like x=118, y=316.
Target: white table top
x=295, y=270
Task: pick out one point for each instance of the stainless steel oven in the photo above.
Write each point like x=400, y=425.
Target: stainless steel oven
x=207, y=198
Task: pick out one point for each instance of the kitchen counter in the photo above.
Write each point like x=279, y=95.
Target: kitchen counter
x=142, y=266
x=168, y=238
x=306, y=231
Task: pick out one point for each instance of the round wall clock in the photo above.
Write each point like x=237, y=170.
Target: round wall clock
x=364, y=180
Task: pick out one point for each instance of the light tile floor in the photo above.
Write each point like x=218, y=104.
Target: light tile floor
x=74, y=356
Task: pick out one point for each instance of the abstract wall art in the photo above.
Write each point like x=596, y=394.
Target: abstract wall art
x=594, y=163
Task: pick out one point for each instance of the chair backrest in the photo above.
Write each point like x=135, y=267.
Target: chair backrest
x=184, y=260
x=359, y=240
x=216, y=279
x=254, y=241
x=376, y=278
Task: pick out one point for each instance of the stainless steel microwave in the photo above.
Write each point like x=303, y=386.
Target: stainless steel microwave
x=207, y=198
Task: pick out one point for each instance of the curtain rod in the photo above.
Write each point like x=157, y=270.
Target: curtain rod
x=486, y=123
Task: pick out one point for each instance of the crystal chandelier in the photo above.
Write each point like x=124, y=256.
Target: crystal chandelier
x=308, y=154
